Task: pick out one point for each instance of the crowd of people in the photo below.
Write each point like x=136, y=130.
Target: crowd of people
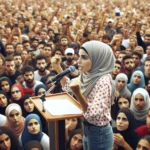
x=109, y=43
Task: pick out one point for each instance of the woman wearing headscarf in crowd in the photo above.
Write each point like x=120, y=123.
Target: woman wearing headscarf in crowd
x=28, y=108
x=5, y=85
x=4, y=102
x=137, y=81
x=14, y=118
x=8, y=139
x=33, y=145
x=144, y=143
x=75, y=141
x=121, y=85
x=94, y=90
x=17, y=93
x=33, y=131
x=119, y=103
x=27, y=105
x=140, y=104
x=125, y=138
x=40, y=89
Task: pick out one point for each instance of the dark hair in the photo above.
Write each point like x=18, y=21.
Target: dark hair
x=40, y=57
x=147, y=59
x=106, y=36
x=148, y=35
x=118, y=62
x=137, y=53
x=9, y=44
x=57, y=49
x=47, y=45
x=147, y=138
x=126, y=57
x=8, y=58
x=27, y=69
x=25, y=41
x=12, y=136
x=33, y=144
x=16, y=54
x=74, y=132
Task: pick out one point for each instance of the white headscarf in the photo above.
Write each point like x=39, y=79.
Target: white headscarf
x=124, y=91
x=103, y=62
x=140, y=114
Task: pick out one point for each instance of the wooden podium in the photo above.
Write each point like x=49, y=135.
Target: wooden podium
x=56, y=123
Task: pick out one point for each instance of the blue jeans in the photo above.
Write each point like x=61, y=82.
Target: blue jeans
x=98, y=137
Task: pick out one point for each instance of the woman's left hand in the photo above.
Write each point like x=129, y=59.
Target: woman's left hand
x=118, y=139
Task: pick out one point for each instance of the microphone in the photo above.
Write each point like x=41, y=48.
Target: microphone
x=61, y=75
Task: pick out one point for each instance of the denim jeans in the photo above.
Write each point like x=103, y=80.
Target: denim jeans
x=98, y=137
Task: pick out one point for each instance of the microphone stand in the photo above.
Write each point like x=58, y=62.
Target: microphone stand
x=49, y=90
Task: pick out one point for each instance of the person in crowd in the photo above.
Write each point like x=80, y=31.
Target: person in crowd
x=46, y=78
x=33, y=131
x=17, y=93
x=4, y=102
x=5, y=85
x=137, y=81
x=125, y=138
x=139, y=105
x=147, y=70
x=10, y=70
x=40, y=90
x=18, y=61
x=121, y=85
x=15, y=121
x=75, y=141
x=69, y=54
x=96, y=62
x=33, y=145
x=41, y=67
x=139, y=65
x=27, y=105
x=144, y=143
x=116, y=70
x=29, y=81
x=128, y=66
x=145, y=129
x=8, y=139
x=119, y=103
x=72, y=124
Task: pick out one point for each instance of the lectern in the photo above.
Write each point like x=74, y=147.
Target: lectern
x=56, y=121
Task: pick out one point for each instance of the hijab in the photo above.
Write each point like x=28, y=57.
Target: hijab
x=129, y=135
x=141, y=84
x=140, y=114
x=38, y=87
x=25, y=97
x=20, y=88
x=124, y=90
x=9, y=82
x=103, y=62
x=26, y=136
x=33, y=144
x=19, y=128
x=2, y=109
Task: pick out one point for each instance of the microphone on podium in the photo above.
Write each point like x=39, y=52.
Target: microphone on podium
x=61, y=75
